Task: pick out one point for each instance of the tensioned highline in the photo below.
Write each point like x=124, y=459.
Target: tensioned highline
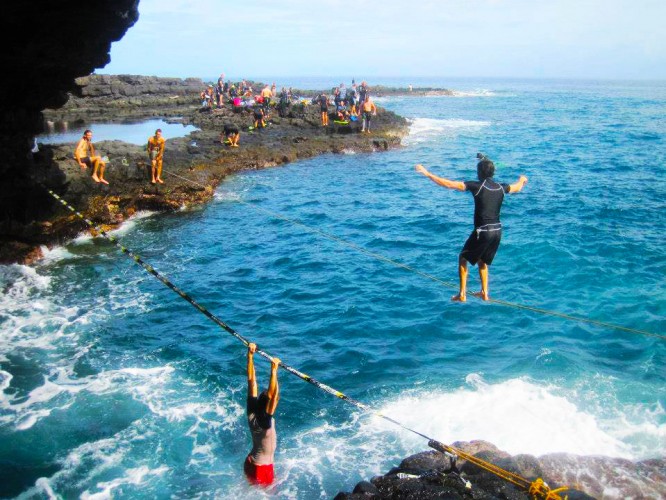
x=537, y=488
x=429, y=276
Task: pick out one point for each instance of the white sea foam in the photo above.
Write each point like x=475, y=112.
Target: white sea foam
x=132, y=476
x=423, y=129
x=55, y=254
x=518, y=416
x=547, y=422
x=129, y=224
x=227, y=196
x=474, y=93
x=136, y=455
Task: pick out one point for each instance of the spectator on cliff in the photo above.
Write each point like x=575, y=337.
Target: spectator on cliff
x=266, y=95
x=85, y=157
x=351, y=99
x=342, y=114
x=273, y=90
x=220, y=80
x=322, y=100
x=207, y=98
x=233, y=92
x=362, y=96
x=369, y=110
x=283, y=103
x=259, y=122
x=219, y=94
x=258, y=465
x=155, y=148
x=231, y=135
x=338, y=100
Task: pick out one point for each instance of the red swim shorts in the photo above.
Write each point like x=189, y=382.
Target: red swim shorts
x=258, y=474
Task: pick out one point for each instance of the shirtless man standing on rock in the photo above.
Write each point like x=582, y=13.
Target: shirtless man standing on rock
x=155, y=148
x=85, y=157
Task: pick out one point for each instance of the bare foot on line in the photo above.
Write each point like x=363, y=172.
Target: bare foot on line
x=95, y=178
x=104, y=181
x=481, y=295
x=459, y=298
x=160, y=181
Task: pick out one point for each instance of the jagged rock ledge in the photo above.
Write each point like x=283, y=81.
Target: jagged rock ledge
x=194, y=165
x=432, y=474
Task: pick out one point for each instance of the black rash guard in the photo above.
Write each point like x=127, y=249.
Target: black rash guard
x=488, y=197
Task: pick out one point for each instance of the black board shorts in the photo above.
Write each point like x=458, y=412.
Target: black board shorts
x=482, y=245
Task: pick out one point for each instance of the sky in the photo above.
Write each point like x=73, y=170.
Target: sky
x=586, y=39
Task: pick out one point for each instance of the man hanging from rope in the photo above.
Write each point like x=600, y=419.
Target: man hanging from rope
x=260, y=409
x=484, y=241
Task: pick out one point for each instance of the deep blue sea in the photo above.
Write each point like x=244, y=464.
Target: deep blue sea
x=112, y=386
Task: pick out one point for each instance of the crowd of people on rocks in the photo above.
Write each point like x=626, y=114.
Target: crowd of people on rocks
x=349, y=104
x=344, y=104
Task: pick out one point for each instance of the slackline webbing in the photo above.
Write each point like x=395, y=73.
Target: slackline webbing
x=536, y=488
x=431, y=277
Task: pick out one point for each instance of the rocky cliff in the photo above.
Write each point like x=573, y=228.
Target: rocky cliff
x=432, y=474
x=193, y=165
x=45, y=46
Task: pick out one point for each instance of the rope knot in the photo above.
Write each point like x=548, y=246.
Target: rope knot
x=539, y=489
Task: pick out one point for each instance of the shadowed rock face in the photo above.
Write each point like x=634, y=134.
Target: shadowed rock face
x=46, y=45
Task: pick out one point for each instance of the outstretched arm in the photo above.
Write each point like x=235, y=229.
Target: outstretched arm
x=458, y=185
x=273, y=388
x=517, y=186
x=251, y=377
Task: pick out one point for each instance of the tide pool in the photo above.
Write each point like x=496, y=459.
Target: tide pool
x=133, y=133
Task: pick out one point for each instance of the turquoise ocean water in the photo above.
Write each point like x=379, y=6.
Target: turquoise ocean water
x=113, y=386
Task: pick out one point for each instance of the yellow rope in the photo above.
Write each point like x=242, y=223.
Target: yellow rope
x=540, y=489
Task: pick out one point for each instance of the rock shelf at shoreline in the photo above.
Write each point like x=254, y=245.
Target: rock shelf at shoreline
x=199, y=157
x=431, y=474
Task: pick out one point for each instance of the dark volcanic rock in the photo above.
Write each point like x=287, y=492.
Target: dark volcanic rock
x=431, y=474
x=193, y=165
x=46, y=45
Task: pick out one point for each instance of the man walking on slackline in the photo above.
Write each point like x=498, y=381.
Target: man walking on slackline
x=484, y=241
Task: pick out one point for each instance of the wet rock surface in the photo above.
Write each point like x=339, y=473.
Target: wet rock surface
x=193, y=165
x=432, y=474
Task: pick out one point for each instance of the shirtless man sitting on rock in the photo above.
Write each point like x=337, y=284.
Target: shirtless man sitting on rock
x=85, y=157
